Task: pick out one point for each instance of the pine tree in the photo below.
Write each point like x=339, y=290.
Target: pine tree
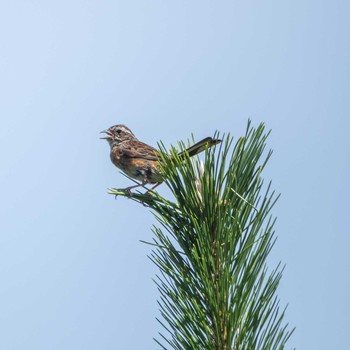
x=216, y=291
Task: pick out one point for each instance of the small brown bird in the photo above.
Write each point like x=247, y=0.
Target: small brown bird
x=139, y=160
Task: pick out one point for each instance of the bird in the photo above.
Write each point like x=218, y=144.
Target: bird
x=140, y=161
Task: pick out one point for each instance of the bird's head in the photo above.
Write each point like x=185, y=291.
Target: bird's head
x=117, y=133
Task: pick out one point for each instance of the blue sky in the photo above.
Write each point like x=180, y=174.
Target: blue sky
x=73, y=272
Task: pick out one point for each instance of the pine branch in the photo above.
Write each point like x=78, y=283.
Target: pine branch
x=216, y=291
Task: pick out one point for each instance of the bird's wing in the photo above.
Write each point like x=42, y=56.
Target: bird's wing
x=140, y=150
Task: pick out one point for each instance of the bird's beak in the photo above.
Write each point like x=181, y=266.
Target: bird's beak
x=105, y=137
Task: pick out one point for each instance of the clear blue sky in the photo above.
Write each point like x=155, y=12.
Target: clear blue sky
x=73, y=274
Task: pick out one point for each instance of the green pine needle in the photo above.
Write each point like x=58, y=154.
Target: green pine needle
x=215, y=235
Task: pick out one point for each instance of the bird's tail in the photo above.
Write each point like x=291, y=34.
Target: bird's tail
x=199, y=147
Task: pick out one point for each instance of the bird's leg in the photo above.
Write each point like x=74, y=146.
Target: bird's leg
x=128, y=189
x=151, y=189
x=142, y=184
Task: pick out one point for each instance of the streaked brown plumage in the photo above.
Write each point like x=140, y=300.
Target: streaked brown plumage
x=139, y=160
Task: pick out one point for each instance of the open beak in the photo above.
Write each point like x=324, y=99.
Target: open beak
x=109, y=135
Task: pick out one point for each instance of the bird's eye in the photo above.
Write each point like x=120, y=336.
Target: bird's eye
x=119, y=131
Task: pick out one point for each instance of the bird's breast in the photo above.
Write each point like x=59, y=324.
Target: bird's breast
x=138, y=168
